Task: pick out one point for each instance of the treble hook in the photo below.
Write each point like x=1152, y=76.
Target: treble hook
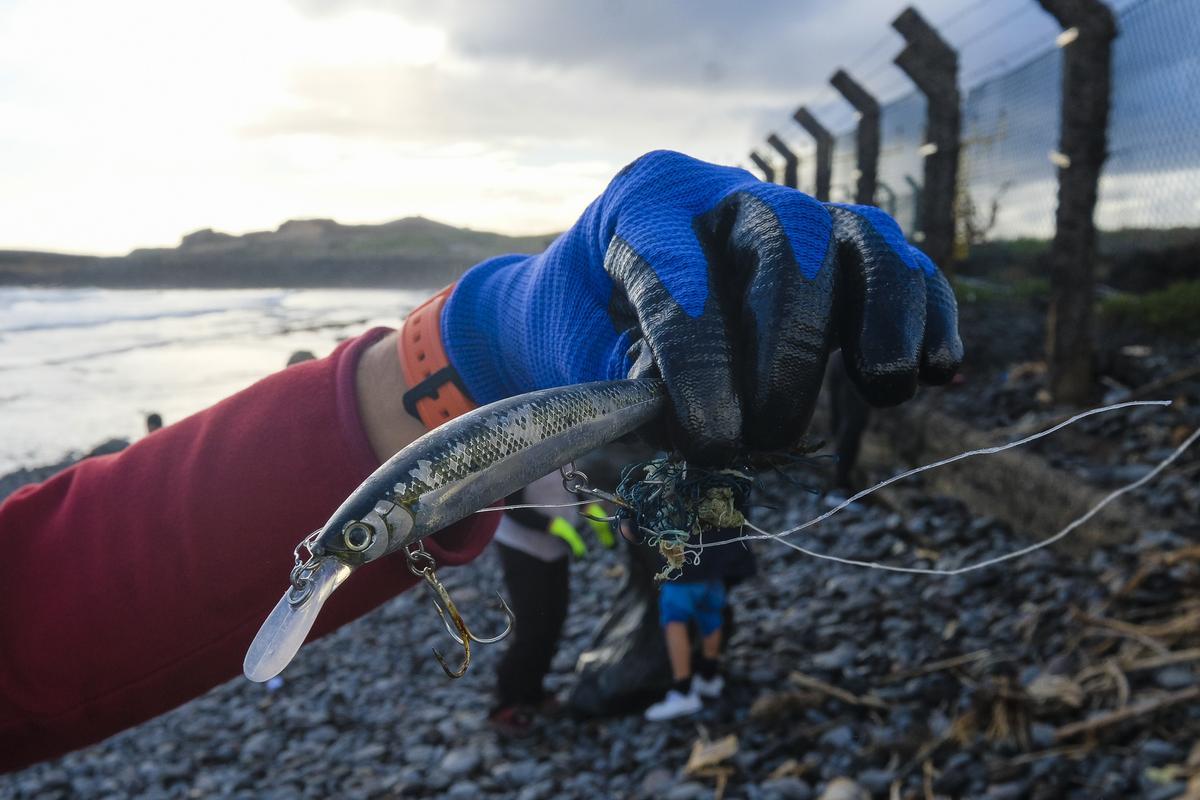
x=447, y=608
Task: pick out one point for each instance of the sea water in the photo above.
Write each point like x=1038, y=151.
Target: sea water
x=78, y=366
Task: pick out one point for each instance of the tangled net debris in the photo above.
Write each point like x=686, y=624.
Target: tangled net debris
x=668, y=501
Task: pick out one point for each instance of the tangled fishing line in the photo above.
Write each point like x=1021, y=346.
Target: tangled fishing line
x=780, y=537
x=668, y=502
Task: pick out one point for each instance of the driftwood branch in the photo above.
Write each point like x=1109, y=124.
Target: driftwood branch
x=818, y=685
x=938, y=666
x=1138, y=709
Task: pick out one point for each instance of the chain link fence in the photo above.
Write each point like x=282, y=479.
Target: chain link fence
x=1151, y=179
x=1150, y=189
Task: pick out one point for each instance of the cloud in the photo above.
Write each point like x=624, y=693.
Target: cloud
x=131, y=122
x=717, y=45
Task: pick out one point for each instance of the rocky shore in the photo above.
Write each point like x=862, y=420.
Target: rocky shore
x=15, y=480
x=1050, y=677
x=1069, y=673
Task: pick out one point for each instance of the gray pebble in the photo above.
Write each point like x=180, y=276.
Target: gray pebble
x=1175, y=677
x=464, y=790
x=537, y=791
x=786, y=789
x=838, y=658
x=1015, y=790
x=462, y=761
x=1042, y=735
x=876, y=781
x=1159, y=752
x=689, y=791
x=657, y=781
x=840, y=737
x=1167, y=791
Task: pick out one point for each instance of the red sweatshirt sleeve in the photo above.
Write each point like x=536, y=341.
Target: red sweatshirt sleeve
x=134, y=582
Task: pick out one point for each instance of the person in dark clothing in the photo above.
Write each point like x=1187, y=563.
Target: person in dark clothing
x=534, y=545
x=849, y=415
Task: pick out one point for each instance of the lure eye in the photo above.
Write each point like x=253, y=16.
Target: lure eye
x=358, y=536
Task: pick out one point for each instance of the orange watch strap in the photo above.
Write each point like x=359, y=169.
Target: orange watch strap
x=435, y=394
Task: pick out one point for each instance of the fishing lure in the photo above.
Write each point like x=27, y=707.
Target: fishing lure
x=439, y=479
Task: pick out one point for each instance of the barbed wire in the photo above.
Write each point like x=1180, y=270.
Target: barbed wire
x=1011, y=117
x=994, y=26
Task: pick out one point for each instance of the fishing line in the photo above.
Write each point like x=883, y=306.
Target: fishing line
x=693, y=552
x=998, y=559
x=983, y=451
x=534, y=505
x=970, y=453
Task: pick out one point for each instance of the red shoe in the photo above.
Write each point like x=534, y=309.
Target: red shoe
x=512, y=721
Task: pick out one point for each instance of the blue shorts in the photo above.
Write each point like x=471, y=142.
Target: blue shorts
x=684, y=602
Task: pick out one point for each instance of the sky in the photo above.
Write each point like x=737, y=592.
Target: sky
x=130, y=123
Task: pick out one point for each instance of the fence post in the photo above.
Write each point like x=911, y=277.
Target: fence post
x=918, y=222
x=887, y=200
x=1089, y=28
x=933, y=66
x=824, y=140
x=791, y=162
x=867, y=136
x=767, y=170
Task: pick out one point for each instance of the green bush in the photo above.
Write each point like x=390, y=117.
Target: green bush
x=1174, y=311
x=976, y=290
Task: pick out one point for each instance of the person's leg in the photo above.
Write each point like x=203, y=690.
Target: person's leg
x=850, y=413
x=675, y=610
x=710, y=646
x=554, y=579
x=679, y=650
x=710, y=607
x=676, y=606
x=518, y=681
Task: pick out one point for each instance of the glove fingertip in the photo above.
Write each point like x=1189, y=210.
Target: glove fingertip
x=942, y=353
x=883, y=388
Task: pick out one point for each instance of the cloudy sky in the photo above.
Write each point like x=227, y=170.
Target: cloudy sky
x=128, y=123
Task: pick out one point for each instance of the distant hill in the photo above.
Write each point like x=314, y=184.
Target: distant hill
x=310, y=252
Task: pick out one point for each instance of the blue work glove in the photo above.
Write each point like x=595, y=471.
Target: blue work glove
x=734, y=291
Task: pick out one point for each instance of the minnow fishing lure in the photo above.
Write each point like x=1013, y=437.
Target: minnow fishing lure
x=439, y=479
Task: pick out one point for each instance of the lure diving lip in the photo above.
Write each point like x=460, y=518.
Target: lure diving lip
x=447, y=474
x=289, y=623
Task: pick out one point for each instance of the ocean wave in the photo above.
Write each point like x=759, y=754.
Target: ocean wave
x=26, y=310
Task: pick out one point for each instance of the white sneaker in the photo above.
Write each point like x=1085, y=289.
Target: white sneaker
x=708, y=688
x=675, y=704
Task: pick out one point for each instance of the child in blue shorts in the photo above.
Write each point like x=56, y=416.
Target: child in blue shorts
x=698, y=596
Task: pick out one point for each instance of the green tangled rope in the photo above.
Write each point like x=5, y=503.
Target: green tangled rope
x=669, y=501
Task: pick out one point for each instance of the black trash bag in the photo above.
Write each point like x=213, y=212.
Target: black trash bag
x=625, y=666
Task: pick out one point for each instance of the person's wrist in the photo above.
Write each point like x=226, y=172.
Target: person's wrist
x=380, y=386
x=436, y=393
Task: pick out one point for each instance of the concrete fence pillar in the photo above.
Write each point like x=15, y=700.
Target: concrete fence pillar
x=791, y=162
x=824, y=142
x=1088, y=31
x=933, y=66
x=866, y=137
x=764, y=166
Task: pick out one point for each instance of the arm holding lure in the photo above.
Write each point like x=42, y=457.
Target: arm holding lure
x=134, y=582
